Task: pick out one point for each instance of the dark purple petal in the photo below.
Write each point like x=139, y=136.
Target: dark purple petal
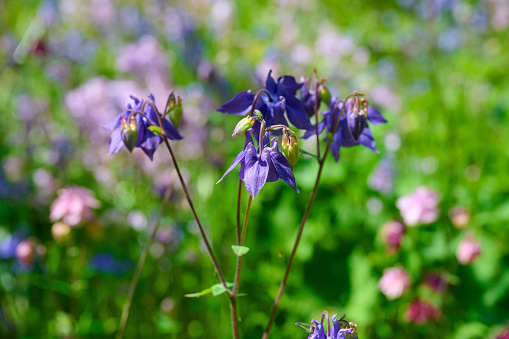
x=116, y=142
x=152, y=115
x=149, y=145
x=335, y=328
x=375, y=117
x=308, y=99
x=337, y=141
x=296, y=113
x=273, y=174
x=255, y=173
x=142, y=129
x=240, y=104
x=114, y=123
x=171, y=131
x=270, y=84
x=288, y=86
x=311, y=132
x=318, y=333
x=283, y=169
x=237, y=160
x=368, y=140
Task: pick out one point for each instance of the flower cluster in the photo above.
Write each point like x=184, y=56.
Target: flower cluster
x=135, y=127
x=341, y=329
x=73, y=205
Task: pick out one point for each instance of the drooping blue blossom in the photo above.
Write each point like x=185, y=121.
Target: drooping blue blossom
x=336, y=331
x=281, y=99
x=343, y=137
x=147, y=140
x=257, y=169
x=308, y=98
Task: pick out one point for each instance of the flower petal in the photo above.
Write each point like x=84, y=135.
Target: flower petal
x=255, y=173
x=240, y=104
x=283, y=169
x=318, y=333
x=116, y=142
x=367, y=139
x=287, y=85
x=270, y=84
x=237, y=160
x=296, y=113
x=375, y=117
x=150, y=144
x=171, y=131
x=273, y=174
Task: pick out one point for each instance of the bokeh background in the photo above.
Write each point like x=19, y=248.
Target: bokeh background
x=436, y=69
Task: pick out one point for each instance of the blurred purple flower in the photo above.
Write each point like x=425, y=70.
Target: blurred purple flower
x=468, y=250
x=281, y=98
x=420, y=311
x=394, y=282
x=343, y=137
x=147, y=140
x=106, y=263
x=421, y=207
x=256, y=169
x=73, y=205
x=393, y=232
x=435, y=282
x=382, y=178
x=10, y=242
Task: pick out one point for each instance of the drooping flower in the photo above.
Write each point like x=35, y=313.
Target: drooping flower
x=420, y=207
x=394, y=282
x=281, y=99
x=343, y=137
x=421, y=311
x=308, y=97
x=257, y=169
x=468, y=250
x=146, y=139
x=73, y=205
x=337, y=331
x=393, y=232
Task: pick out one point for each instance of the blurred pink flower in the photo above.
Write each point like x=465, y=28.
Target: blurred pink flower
x=504, y=335
x=393, y=234
x=394, y=282
x=460, y=216
x=74, y=205
x=435, y=282
x=420, y=311
x=421, y=207
x=25, y=252
x=468, y=250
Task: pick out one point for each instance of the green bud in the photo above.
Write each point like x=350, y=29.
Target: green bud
x=290, y=149
x=258, y=114
x=129, y=132
x=325, y=95
x=243, y=125
x=174, y=109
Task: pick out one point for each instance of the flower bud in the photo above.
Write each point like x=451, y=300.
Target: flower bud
x=356, y=119
x=61, y=232
x=290, y=149
x=25, y=252
x=129, y=132
x=325, y=95
x=243, y=125
x=174, y=109
x=459, y=216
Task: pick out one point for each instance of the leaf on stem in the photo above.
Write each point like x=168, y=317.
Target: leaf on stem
x=156, y=130
x=217, y=289
x=240, y=250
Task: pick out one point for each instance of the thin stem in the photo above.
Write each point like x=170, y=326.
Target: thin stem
x=256, y=99
x=260, y=137
x=239, y=195
x=139, y=267
x=304, y=218
x=190, y=202
x=235, y=319
x=316, y=117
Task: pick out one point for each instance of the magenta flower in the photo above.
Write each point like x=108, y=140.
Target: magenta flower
x=420, y=311
x=73, y=205
x=420, y=207
x=435, y=282
x=504, y=335
x=394, y=282
x=468, y=250
x=393, y=232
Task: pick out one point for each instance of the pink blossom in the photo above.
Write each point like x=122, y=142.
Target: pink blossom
x=504, y=335
x=393, y=234
x=460, y=217
x=420, y=311
x=435, y=282
x=25, y=252
x=468, y=250
x=394, y=282
x=74, y=205
x=421, y=207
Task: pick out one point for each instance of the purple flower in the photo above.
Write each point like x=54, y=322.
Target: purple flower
x=308, y=98
x=281, y=98
x=343, y=137
x=146, y=139
x=336, y=332
x=257, y=169
x=107, y=263
x=420, y=311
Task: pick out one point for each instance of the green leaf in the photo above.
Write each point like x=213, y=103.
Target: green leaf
x=156, y=130
x=217, y=289
x=240, y=250
x=307, y=153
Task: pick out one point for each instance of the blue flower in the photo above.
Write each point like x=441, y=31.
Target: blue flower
x=107, y=263
x=336, y=331
x=257, y=169
x=146, y=139
x=343, y=137
x=308, y=98
x=281, y=98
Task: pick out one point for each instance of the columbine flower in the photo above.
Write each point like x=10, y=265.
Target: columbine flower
x=421, y=207
x=74, y=205
x=281, y=98
x=256, y=169
x=343, y=137
x=345, y=330
x=420, y=311
x=394, y=282
x=468, y=250
x=146, y=139
x=308, y=98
